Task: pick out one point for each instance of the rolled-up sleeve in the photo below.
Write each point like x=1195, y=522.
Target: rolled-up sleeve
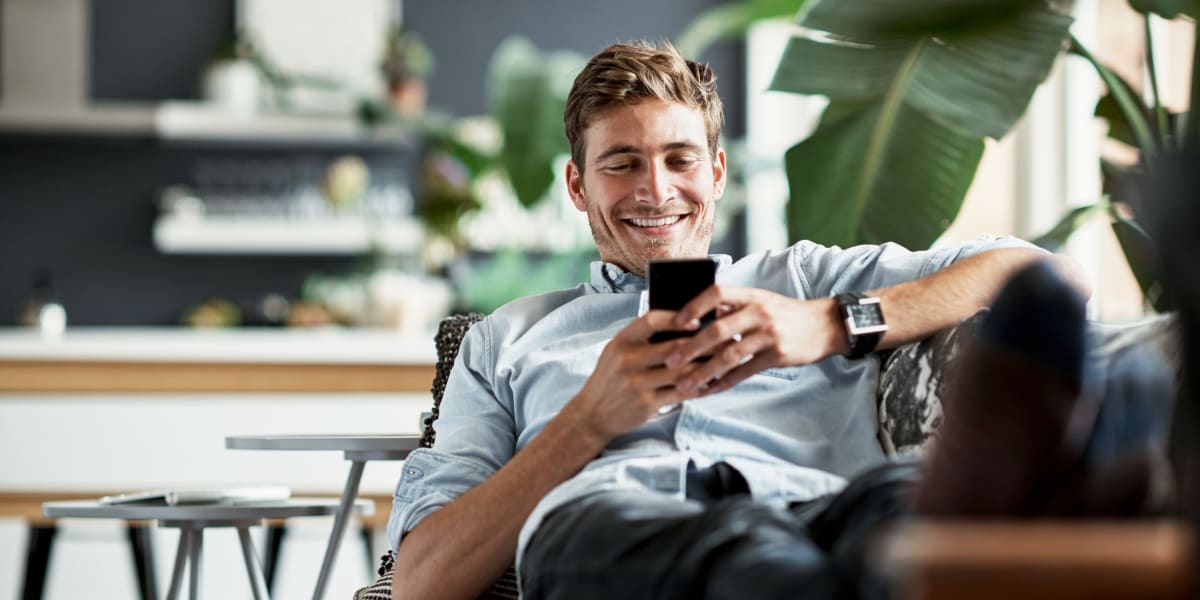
x=475, y=437
x=429, y=481
x=827, y=270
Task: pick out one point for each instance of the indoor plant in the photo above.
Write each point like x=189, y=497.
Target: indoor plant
x=914, y=89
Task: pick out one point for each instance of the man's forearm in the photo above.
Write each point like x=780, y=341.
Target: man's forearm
x=918, y=308
x=462, y=548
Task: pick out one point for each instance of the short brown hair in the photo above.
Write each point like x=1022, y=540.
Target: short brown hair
x=623, y=74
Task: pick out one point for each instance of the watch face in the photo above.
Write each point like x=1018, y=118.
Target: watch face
x=864, y=316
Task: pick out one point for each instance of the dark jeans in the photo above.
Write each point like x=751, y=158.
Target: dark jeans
x=719, y=543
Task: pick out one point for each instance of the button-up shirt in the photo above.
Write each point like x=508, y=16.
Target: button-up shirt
x=794, y=433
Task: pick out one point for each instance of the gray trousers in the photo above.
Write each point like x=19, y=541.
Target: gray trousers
x=718, y=543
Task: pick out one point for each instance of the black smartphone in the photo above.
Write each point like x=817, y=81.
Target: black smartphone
x=674, y=282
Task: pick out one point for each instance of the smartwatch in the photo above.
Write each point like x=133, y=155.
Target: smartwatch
x=863, y=317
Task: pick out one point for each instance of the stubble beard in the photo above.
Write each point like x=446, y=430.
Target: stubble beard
x=653, y=248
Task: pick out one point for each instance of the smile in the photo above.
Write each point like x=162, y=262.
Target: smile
x=657, y=222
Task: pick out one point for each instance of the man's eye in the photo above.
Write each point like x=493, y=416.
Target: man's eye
x=684, y=163
x=618, y=167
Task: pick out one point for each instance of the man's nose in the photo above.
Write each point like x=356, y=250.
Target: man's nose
x=656, y=187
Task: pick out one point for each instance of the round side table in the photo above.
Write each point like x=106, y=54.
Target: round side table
x=358, y=449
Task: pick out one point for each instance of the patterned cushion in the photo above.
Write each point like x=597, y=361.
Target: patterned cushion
x=505, y=588
x=449, y=337
x=912, y=382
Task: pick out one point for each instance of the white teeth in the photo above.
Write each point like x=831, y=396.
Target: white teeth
x=659, y=222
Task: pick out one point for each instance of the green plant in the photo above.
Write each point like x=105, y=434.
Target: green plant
x=1153, y=131
x=916, y=87
x=528, y=94
x=494, y=279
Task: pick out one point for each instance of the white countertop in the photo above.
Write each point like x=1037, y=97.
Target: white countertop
x=179, y=344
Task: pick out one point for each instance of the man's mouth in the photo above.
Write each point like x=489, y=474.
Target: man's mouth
x=655, y=222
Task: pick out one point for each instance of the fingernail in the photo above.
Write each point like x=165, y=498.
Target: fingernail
x=681, y=320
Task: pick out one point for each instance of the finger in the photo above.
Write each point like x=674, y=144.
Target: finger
x=724, y=360
x=737, y=375
x=671, y=394
x=656, y=377
x=732, y=327
x=711, y=299
x=641, y=328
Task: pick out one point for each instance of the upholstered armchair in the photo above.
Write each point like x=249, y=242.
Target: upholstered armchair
x=913, y=380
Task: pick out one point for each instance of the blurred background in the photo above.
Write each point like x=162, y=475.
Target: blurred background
x=321, y=182
x=266, y=162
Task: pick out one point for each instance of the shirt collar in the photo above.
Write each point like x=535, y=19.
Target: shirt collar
x=608, y=277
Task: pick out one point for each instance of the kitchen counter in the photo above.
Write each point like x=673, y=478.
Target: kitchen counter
x=171, y=359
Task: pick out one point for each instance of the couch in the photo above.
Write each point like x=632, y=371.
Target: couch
x=913, y=381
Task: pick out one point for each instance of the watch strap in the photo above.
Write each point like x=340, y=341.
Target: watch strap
x=863, y=344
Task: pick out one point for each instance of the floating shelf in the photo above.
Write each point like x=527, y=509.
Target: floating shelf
x=194, y=121
x=308, y=236
x=197, y=122
x=102, y=120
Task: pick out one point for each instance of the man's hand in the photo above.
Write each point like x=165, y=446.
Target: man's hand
x=631, y=381
x=755, y=329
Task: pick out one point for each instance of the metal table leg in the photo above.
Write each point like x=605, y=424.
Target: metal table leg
x=339, y=525
x=180, y=563
x=253, y=568
x=141, y=544
x=194, y=555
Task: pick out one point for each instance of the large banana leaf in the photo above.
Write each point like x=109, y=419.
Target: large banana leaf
x=918, y=86
x=922, y=170
x=528, y=95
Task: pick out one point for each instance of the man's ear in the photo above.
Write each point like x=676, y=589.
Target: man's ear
x=719, y=174
x=575, y=186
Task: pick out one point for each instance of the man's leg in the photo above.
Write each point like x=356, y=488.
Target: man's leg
x=1021, y=436
x=630, y=545
x=636, y=545
x=845, y=525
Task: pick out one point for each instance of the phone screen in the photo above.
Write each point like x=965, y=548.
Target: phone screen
x=674, y=282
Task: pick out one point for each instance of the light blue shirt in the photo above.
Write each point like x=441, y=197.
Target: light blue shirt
x=794, y=433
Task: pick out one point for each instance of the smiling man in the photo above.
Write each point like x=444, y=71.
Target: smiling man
x=551, y=449
x=654, y=172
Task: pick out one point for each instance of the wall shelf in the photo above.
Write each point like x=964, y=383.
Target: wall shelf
x=101, y=120
x=178, y=121
x=284, y=236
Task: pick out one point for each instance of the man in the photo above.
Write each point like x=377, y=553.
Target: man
x=555, y=446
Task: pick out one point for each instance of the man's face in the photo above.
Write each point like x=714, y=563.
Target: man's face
x=649, y=185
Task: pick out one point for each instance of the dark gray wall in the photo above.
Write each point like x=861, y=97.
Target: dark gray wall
x=83, y=208
x=147, y=50
x=464, y=33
